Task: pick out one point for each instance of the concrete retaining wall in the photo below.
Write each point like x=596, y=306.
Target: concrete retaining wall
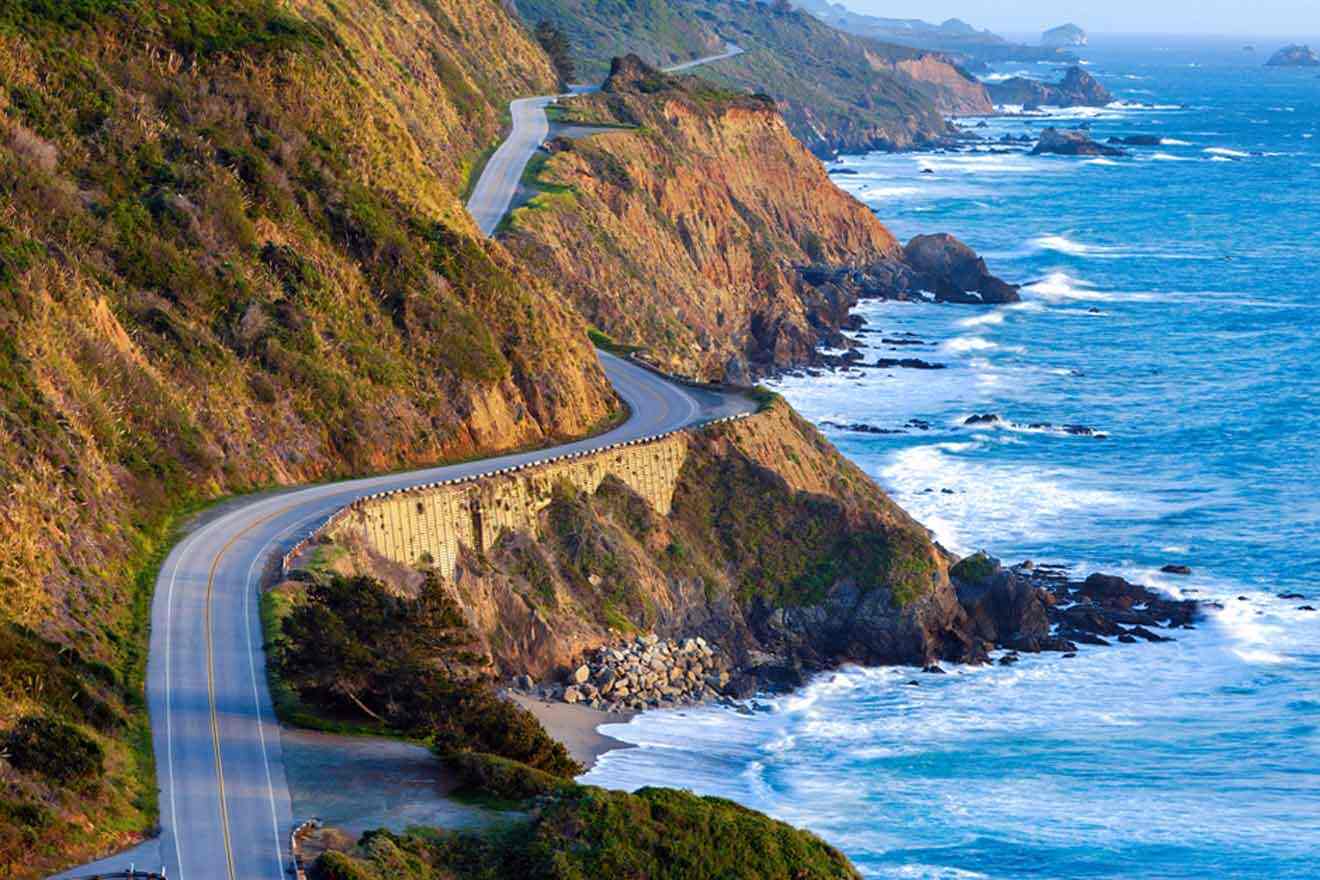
x=426, y=525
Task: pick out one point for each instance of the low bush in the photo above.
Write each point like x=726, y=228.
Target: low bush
x=585, y=832
x=54, y=749
x=500, y=777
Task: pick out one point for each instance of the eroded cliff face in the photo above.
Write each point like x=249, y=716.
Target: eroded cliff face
x=776, y=549
x=954, y=91
x=684, y=234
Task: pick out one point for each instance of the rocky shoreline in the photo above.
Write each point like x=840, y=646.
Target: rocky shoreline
x=1027, y=608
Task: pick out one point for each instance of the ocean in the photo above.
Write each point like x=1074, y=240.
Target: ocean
x=1169, y=305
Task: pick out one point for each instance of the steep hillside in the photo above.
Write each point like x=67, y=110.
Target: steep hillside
x=837, y=91
x=659, y=31
x=232, y=254
x=683, y=234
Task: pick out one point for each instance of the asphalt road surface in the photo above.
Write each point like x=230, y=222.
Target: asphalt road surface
x=498, y=183
x=224, y=801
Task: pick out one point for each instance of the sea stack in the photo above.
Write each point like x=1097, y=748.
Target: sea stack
x=1294, y=56
x=1064, y=35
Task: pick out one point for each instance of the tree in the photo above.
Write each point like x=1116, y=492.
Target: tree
x=556, y=45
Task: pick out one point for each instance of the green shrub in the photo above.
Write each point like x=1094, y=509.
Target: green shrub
x=500, y=777
x=356, y=651
x=54, y=749
x=975, y=568
x=584, y=833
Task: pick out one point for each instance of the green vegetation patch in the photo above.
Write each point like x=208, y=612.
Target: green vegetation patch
x=975, y=568
x=352, y=651
x=582, y=833
x=54, y=749
x=790, y=547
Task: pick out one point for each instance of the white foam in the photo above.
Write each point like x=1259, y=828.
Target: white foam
x=1064, y=245
x=1225, y=151
x=983, y=320
x=1168, y=157
x=961, y=344
x=1175, y=142
x=1100, y=160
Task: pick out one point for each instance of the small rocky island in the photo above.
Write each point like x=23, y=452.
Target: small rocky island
x=1064, y=35
x=1075, y=142
x=1294, y=56
x=1077, y=89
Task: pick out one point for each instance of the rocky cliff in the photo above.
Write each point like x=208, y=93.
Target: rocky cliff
x=233, y=254
x=683, y=234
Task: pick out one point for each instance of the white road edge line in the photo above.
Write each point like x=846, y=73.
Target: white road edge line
x=169, y=702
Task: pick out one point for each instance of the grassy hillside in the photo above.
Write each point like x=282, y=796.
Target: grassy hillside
x=659, y=31
x=837, y=91
x=232, y=255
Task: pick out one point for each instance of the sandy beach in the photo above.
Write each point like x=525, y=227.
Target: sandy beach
x=575, y=727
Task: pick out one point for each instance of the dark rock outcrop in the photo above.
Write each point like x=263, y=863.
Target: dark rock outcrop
x=1076, y=142
x=931, y=266
x=1077, y=89
x=1294, y=56
x=953, y=271
x=1031, y=608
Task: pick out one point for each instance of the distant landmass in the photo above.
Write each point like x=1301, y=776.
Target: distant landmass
x=1294, y=56
x=1064, y=35
x=955, y=37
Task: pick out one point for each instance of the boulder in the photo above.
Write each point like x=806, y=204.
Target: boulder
x=954, y=272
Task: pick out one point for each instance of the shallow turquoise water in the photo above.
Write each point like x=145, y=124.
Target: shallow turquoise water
x=1172, y=307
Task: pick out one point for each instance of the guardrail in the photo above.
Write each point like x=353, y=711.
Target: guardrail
x=298, y=868
x=286, y=562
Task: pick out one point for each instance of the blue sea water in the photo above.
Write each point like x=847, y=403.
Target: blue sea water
x=1170, y=304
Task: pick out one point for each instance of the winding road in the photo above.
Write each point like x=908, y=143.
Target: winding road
x=224, y=799
x=499, y=180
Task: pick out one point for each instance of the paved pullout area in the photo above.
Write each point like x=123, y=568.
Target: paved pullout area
x=224, y=798
x=498, y=183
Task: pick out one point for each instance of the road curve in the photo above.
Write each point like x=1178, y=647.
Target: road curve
x=498, y=183
x=224, y=801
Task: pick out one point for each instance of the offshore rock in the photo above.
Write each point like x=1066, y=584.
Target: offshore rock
x=1294, y=56
x=1077, y=89
x=1073, y=142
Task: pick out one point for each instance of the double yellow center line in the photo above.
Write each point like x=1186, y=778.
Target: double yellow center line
x=210, y=683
